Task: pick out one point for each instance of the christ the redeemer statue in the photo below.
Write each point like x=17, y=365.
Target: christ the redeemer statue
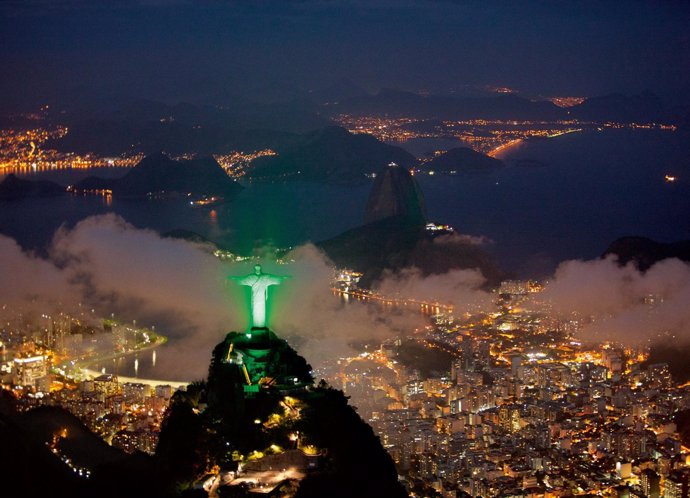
x=259, y=283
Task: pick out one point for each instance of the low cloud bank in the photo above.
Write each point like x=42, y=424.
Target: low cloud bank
x=106, y=264
x=460, y=288
x=622, y=303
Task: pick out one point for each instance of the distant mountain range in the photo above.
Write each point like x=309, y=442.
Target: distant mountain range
x=331, y=154
x=159, y=175
x=642, y=108
x=341, y=89
x=112, y=138
x=400, y=103
x=150, y=126
x=14, y=188
x=308, y=148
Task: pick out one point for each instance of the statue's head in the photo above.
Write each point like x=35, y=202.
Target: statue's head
x=257, y=269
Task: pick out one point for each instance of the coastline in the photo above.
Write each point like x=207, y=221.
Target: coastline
x=78, y=370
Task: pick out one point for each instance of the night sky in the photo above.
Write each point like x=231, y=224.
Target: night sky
x=71, y=51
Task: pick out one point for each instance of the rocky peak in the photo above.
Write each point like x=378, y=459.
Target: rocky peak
x=395, y=193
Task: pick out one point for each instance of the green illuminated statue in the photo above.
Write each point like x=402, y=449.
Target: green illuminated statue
x=259, y=283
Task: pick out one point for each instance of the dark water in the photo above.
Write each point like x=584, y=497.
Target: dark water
x=279, y=214
x=590, y=189
x=570, y=198
x=150, y=364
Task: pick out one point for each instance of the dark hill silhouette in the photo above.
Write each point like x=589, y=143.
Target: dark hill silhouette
x=14, y=188
x=394, y=244
x=395, y=193
x=235, y=419
x=354, y=448
x=113, y=137
x=148, y=126
x=26, y=458
x=206, y=425
x=332, y=155
x=23, y=458
x=643, y=108
x=400, y=103
x=644, y=252
x=189, y=235
x=160, y=174
x=395, y=236
x=682, y=420
x=82, y=446
x=463, y=160
x=675, y=354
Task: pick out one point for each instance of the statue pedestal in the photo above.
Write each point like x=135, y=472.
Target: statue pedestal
x=259, y=335
x=264, y=360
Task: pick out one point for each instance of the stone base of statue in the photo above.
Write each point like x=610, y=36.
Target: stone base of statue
x=259, y=335
x=265, y=361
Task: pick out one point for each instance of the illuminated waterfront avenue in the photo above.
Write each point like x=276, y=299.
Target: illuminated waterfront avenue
x=425, y=307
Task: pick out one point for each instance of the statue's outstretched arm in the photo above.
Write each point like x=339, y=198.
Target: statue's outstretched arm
x=240, y=279
x=276, y=279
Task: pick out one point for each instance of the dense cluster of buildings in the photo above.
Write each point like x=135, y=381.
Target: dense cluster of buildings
x=503, y=402
x=522, y=409
x=36, y=363
x=127, y=415
x=236, y=163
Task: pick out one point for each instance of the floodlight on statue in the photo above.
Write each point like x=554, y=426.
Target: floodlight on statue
x=259, y=283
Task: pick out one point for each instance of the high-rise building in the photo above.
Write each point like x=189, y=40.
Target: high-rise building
x=650, y=480
x=509, y=418
x=106, y=384
x=28, y=370
x=135, y=392
x=676, y=485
